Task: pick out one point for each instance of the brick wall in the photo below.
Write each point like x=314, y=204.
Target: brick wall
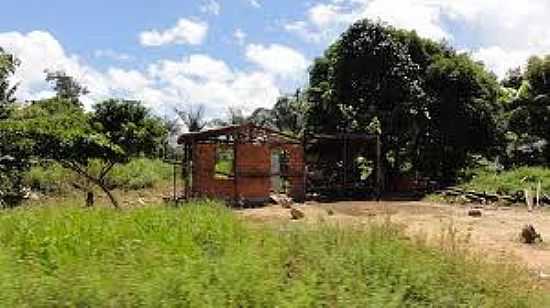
x=296, y=172
x=253, y=164
x=204, y=183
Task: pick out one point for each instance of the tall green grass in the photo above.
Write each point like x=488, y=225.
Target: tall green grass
x=202, y=255
x=510, y=181
x=139, y=173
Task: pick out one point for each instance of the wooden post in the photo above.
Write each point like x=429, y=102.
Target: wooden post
x=538, y=193
x=235, y=171
x=379, y=175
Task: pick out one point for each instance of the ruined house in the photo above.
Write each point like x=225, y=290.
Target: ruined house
x=250, y=163
x=243, y=162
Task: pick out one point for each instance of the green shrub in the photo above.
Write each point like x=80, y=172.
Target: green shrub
x=509, y=182
x=49, y=178
x=139, y=173
x=203, y=256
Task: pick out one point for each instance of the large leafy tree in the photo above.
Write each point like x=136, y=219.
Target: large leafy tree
x=422, y=92
x=463, y=112
x=368, y=74
x=130, y=125
x=58, y=130
x=13, y=153
x=528, y=114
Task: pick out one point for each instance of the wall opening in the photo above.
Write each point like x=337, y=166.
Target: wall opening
x=279, y=171
x=225, y=162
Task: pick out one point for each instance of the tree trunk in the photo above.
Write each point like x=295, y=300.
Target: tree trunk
x=109, y=194
x=90, y=199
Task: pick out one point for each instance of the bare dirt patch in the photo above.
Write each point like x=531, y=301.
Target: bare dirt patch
x=495, y=233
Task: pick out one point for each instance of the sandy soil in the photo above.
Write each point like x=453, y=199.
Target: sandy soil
x=495, y=233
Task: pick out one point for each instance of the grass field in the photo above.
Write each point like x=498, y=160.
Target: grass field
x=204, y=255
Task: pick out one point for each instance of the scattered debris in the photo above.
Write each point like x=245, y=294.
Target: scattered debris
x=475, y=213
x=282, y=200
x=470, y=196
x=529, y=235
x=296, y=214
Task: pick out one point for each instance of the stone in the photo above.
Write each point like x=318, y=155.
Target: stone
x=529, y=235
x=475, y=213
x=296, y=214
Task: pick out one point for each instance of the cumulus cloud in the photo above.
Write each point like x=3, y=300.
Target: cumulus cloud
x=278, y=60
x=198, y=78
x=505, y=32
x=184, y=32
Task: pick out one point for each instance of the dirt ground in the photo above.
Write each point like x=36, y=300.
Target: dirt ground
x=495, y=233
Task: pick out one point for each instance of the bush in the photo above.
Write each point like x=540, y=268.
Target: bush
x=50, y=178
x=508, y=182
x=202, y=255
x=139, y=173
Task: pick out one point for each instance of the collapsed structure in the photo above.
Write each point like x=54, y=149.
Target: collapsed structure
x=250, y=163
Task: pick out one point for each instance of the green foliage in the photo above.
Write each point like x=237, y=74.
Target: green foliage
x=203, y=256
x=138, y=173
x=287, y=115
x=508, y=182
x=14, y=154
x=435, y=107
x=50, y=178
x=130, y=125
x=8, y=65
x=67, y=88
x=527, y=116
x=464, y=113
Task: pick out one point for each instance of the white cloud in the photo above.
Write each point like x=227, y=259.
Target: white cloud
x=185, y=32
x=127, y=81
x=240, y=36
x=500, y=60
x=40, y=51
x=278, y=60
x=211, y=7
x=503, y=30
x=196, y=66
x=197, y=78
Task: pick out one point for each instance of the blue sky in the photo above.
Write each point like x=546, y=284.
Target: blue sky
x=237, y=53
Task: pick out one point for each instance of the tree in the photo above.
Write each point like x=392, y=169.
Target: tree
x=435, y=107
x=463, y=114
x=130, y=125
x=66, y=87
x=528, y=115
x=367, y=74
x=193, y=117
x=13, y=153
x=8, y=65
x=513, y=79
x=60, y=131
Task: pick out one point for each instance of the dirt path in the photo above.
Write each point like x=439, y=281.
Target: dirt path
x=496, y=232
